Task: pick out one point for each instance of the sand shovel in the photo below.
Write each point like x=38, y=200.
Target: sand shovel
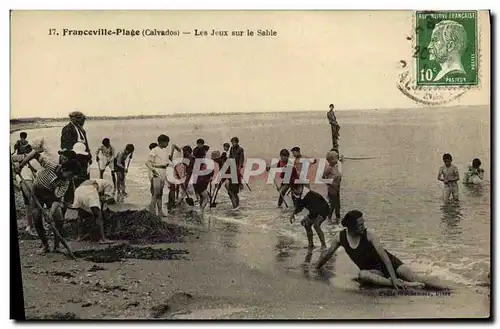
x=125, y=176
x=210, y=190
x=189, y=200
x=52, y=226
x=213, y=204
x=279, y=192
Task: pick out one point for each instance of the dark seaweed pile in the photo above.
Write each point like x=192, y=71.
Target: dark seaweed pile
x=136, y=226
x=116, y=253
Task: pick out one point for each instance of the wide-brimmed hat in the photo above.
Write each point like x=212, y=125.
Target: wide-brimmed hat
x=80, y=148
x=76, y=114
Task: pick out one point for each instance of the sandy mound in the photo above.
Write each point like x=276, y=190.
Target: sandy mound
x=136, y=226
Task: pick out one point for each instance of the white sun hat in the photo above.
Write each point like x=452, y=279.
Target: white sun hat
x=79, y=148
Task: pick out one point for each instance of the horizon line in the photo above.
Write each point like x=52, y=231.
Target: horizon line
x=180, y=114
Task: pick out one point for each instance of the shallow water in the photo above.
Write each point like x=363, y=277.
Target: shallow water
x=397, y=190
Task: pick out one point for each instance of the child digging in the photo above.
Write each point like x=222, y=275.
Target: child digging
x=157, y=163
x=318, y=212
x=121, y=170
x=107, y=154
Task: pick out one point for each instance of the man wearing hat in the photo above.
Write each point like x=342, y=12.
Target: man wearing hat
x=73, y=132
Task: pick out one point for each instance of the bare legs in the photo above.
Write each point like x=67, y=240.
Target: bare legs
x=403, y=272
x=203, y=201
x=120, y=185
x=308, y=224
x=157, y=185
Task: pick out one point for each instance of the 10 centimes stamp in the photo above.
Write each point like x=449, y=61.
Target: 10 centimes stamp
x=446, y=51
x=445, y=57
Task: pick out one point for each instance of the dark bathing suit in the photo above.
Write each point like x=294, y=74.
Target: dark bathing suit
x=365, y=256
x=316, y=204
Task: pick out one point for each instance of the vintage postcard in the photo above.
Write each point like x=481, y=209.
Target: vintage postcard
x=251, y=164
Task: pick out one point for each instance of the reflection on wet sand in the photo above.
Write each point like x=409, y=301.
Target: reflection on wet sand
x=474, y=190
x=283, y=248
x=229, y=232
x=452, y=216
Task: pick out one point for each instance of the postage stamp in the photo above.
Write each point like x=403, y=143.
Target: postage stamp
x=446, y=50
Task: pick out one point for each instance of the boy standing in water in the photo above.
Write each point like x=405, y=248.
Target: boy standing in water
x=233, y=188
x=285, y=183
x=299, y=160
x=335, y=127
x=200, y=151
x=332, y=172
x=448, y=174
x=107, y=153
x=121, y=170
x=318, y=212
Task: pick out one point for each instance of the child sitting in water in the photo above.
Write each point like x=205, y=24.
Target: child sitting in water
x=448, y=174
x=475, y=174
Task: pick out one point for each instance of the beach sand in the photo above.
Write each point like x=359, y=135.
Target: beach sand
x=217, y=282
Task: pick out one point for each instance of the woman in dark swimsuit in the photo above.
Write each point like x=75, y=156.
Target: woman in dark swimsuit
x=377, y=265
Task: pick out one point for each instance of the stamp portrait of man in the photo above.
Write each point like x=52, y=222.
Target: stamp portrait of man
x=446, y=47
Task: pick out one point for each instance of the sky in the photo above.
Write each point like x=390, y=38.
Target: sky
x=349, y=58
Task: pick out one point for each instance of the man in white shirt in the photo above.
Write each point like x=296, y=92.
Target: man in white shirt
x=88, y=200
x=157, y=163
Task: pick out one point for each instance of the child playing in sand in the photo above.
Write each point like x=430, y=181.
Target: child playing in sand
x=318, y=212
x=121, y=169
x=89, y=197
x=448, y=174
x=49, y=187
x=157, y=163
x=107, y=152
x=475, y=174
x=184, y=171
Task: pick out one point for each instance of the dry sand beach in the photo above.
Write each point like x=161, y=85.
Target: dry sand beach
x=253, y=265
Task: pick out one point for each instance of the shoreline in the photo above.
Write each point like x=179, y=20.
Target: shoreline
x=215, y=283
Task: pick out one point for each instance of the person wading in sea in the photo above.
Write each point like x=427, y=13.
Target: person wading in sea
x=377, y=265
x=332, y=120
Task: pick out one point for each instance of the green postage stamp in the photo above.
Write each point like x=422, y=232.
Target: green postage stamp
x=446, y=49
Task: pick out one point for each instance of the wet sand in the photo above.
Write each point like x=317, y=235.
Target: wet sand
x=216, y=283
